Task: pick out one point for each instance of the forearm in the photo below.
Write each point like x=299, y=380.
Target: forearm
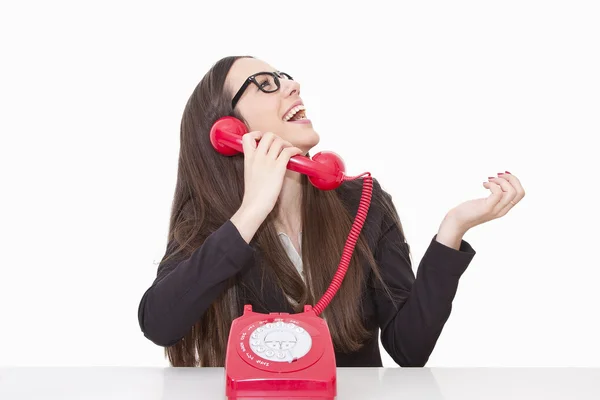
x=176, y=301
x=412, y=328
x=412, y=334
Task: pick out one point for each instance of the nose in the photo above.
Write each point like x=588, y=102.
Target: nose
x=290, y=88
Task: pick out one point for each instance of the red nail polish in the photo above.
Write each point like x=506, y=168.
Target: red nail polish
x=508, y=172
x=500, y=173
x=491, y=177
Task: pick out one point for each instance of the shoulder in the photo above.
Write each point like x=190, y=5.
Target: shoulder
x=382, y=212
x=350, y=192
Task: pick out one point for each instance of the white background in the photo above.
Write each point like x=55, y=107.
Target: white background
x=430, y=97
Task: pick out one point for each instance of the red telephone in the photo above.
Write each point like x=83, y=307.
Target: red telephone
x=278, y=355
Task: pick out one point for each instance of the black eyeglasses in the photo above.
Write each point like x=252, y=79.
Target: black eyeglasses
x=267, y=82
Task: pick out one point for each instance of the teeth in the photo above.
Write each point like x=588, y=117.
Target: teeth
x=293, y=112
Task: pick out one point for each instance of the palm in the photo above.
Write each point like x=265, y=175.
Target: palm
x=506, y=192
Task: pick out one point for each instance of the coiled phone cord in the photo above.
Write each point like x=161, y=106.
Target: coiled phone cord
x=359, y=220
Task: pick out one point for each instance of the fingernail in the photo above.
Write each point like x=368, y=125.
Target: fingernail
x=500, y=173
x=508, y=172
x=491, y=177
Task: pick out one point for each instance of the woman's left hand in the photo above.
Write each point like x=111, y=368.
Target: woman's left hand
x=506, y=192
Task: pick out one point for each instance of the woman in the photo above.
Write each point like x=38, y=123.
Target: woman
x=245, y=230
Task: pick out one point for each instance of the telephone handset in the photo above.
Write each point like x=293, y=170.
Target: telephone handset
x=280, y=355
x=325, y=170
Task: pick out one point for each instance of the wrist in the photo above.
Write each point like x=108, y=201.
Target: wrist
x=252, y=213
x=450, y=232
x=451, y=223
x=247, y=221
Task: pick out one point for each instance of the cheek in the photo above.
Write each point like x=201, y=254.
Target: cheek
x=265, y=120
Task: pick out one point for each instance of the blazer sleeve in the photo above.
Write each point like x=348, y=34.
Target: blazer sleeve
x=412, y=311
x=183, y=290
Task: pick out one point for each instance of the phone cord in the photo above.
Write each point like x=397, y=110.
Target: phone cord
x=359, y=220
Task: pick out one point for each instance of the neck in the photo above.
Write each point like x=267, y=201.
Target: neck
x=289, y=208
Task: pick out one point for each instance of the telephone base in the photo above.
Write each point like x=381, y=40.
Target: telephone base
x=272, y=389
x=280, y=356
x=294, y=397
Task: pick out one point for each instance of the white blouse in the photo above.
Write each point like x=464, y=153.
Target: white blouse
x=291, y=251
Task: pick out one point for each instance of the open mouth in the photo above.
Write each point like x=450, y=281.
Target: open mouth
x=296, y=114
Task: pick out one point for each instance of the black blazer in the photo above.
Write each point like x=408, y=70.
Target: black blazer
x=410, y=328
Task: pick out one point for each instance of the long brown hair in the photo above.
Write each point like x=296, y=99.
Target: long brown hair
x=209, y=190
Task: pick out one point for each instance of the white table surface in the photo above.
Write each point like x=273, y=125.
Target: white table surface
x=353, y=383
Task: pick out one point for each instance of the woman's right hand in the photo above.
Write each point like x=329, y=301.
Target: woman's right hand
x=264, y=169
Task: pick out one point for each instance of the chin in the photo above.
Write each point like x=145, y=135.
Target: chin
x=307, y=141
